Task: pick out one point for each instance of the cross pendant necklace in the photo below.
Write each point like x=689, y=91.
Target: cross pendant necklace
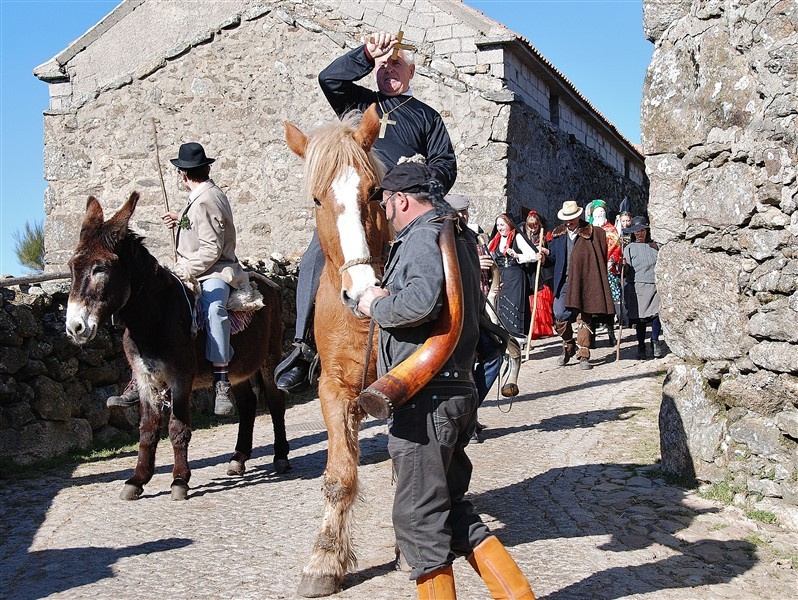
x=385, y=121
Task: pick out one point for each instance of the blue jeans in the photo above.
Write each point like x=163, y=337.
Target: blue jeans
x=213, y=297
x=485, y=374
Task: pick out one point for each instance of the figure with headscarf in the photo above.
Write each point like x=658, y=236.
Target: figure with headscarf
x=598, y=216
x=542, y=314
x=511, y=251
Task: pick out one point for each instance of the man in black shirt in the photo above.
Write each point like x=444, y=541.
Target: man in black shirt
x=408, y=127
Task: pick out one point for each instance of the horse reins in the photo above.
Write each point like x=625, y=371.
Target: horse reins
x=363, y=260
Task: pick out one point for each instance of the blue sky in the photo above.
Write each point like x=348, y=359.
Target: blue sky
x=597, y=44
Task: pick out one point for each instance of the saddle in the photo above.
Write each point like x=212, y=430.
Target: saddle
x=242, y=304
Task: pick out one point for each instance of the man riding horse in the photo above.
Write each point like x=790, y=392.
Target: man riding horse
x=407, y=127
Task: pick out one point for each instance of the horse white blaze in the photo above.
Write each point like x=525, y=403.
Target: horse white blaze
x=352, y=235
x=81, y=324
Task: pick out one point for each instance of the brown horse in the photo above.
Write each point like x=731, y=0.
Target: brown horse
x=113, y=274
x=341, y=176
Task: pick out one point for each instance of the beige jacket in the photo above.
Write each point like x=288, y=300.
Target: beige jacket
x=206, y=236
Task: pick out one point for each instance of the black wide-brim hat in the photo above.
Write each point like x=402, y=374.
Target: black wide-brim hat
x=638, y=224
x=190, y=156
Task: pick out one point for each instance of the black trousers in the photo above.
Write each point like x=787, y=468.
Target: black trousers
x=427, y=440
x=307, y=285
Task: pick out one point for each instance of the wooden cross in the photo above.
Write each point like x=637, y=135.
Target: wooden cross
x=399, y=45
x=384, y=122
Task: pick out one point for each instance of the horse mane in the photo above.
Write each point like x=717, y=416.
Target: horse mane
x=132, y=245
x=332, y=146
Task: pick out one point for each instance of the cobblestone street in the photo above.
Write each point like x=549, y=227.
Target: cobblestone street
x=567, y=477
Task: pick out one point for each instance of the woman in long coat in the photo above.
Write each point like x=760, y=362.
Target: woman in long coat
x=640, y=288
x=510, y=249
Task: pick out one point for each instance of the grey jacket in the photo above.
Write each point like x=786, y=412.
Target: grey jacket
x=206, y=237
x=414, y=278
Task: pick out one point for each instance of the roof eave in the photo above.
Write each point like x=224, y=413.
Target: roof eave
x=516, y=41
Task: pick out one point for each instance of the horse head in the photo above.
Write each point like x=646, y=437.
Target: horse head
x=100, y=282
x=343, y=178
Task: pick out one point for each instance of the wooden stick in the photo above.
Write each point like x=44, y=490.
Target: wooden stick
x=535, y=299
x=620, y=316
x=163, y=187
x=8, y=281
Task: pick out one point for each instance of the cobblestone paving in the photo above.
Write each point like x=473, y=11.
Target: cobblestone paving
x=567, y=478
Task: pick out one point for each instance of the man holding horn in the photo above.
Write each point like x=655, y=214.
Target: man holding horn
x=433, y=521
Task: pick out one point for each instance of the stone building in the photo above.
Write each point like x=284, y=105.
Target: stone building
x=230, y=73
x=720, y=128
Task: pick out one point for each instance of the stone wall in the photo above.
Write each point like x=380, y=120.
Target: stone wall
x=229, y=76
x=546, y=167
x=53, y=392
x=720, y=129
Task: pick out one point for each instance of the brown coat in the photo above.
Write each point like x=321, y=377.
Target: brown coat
x=588, y=287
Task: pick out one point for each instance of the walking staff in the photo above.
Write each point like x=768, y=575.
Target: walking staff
x=535, y=298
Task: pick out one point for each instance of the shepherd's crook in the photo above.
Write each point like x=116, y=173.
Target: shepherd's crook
x=163, y=187
x=535, y=300
x=620, y=316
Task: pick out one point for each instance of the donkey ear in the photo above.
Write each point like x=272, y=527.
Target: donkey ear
x=117, y=225
x=297, y=141
x=368, y=129
x=94, y=213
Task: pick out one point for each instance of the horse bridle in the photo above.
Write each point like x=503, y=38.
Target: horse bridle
x=363, y=260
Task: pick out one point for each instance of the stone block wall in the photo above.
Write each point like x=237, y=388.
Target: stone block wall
x=547, y=166
x=229, y=75
x=720, y=131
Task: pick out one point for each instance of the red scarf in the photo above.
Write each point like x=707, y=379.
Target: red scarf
x=494, y=243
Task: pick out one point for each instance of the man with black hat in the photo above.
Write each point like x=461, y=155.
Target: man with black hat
x=408, y=127
x=206, y=250
x=578, y=251
x=433, y=521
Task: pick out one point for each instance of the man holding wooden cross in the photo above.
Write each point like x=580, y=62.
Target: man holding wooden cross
x=408, y=127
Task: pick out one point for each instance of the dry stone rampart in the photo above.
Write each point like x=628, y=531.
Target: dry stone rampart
x=720, y=132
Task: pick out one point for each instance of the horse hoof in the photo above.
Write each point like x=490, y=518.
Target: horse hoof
x=316, y=586
x=179, y=490
x=236, y=467
x=509, y=390
x=131, y=492
x=281, y=465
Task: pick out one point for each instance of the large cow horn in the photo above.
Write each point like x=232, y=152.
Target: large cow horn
x=402, y=382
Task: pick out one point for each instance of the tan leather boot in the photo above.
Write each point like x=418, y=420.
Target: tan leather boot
x=498, y=570
x=438, y=585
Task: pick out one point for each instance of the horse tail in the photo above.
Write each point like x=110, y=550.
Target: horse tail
x=402, y=382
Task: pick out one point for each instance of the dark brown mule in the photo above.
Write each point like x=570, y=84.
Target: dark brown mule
x=113, y=274
x=341, y=176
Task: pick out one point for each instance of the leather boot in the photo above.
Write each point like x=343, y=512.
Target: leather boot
x=438, y=585
x=223, y=403
x=293, y=374
x=130, y=397
x=498, y=570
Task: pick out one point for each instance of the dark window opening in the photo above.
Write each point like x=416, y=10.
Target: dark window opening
x=554, y=109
